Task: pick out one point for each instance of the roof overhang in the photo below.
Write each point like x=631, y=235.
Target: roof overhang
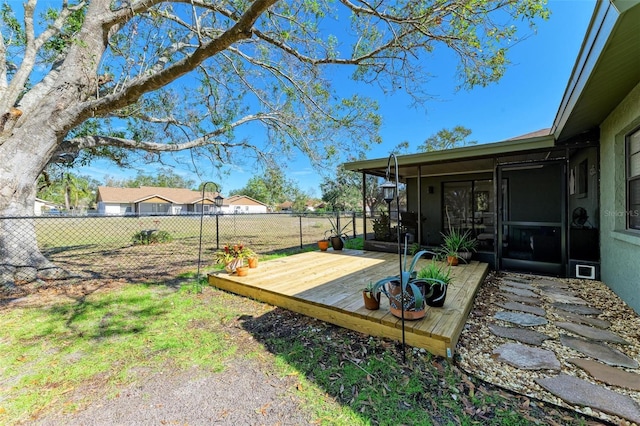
x=463, y=160
x=148, y=197
x=607, y=68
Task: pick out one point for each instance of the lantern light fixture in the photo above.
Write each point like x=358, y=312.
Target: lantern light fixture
x=388, y=191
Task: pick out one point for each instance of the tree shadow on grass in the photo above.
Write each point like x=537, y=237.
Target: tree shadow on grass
x=362, y=373
x=368, y=377
x=107, y=317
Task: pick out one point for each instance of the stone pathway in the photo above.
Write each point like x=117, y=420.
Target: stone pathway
x=557, y=340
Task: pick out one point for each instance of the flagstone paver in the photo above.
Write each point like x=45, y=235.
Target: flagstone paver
x=522, y=299
x=580, y=392
x=609, y=375
x=520, y=318
x=596, y=322
x=527, y=357
x=518, y=291
x=592, y=333
x=599, y=351
x=524, y=335
x=559, y=297
x=518, y=284
x=577, y=309
x=522, y=307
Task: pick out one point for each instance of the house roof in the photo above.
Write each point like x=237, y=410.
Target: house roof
x=110, y=194
x=607, y=68
x=47, y=203
x=466, y=159
x=242, y=200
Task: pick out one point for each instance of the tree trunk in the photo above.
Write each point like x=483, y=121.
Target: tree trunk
x=20, y=258
x=67, y=196
x=29, y=140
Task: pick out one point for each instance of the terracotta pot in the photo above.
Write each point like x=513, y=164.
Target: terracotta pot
x=371, y=300
x=410, y=313
x=242, y=271
x=452, y=260
x=323, y=245
x=253, y=262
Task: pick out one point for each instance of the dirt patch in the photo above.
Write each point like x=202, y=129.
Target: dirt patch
x=244, y=393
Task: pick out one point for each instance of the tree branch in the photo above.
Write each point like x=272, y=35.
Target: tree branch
x=79, y=143
x=32, y=47
x=148, y=83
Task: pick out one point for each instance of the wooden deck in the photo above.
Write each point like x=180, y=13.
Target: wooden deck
x=328, y=286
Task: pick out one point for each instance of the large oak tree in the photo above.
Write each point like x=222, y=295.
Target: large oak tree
x=110, y=77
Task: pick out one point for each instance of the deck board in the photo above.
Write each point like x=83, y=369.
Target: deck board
x=328, y=286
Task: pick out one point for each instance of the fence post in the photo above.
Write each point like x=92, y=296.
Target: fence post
x=353, y=222
x=300, y=224
x=217, y=231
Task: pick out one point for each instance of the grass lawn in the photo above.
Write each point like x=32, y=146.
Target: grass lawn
x=102, y=247
x=106, y=335
x=264, y=232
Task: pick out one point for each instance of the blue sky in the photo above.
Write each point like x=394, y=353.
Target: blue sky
x=526, y=99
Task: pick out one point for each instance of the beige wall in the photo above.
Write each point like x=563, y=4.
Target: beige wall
x=619, y=248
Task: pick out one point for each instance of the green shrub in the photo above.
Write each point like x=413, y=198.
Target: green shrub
x=147, y=237
x=381, y=226
x=354, y=243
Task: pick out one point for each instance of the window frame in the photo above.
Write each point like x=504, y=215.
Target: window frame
x=632, y=211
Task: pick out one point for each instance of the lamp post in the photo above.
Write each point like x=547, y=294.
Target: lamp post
x=218, y=204
x=389, y=193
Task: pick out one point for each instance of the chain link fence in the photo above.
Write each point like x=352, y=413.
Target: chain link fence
x=143, y=248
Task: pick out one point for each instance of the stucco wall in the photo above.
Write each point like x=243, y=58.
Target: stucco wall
x=619, y=248
x=110, y=208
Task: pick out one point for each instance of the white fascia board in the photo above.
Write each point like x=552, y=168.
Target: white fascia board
x=602, y=23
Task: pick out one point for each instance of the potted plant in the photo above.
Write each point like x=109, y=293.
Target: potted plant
x=323, y=245
x=456, y=244
x=439, y=277
x=415, y=247
x=232, y=256
x=371, y=297
x=336, y=236
x=381, y=227
x=407, y=292
x=467, y=246
x=242, y=270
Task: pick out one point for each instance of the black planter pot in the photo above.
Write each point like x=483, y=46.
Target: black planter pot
x=438, y=295
x=336, y=243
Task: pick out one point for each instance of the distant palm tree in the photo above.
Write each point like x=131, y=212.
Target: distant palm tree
x=76, y=189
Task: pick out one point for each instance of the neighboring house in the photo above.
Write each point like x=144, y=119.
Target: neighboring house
x=243, y=204
x=43, y=207
x=147, y=200
x=287, y=206
x=563, y=201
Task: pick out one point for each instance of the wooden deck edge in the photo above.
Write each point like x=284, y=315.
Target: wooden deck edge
x=483, y=275
x=437, y=346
